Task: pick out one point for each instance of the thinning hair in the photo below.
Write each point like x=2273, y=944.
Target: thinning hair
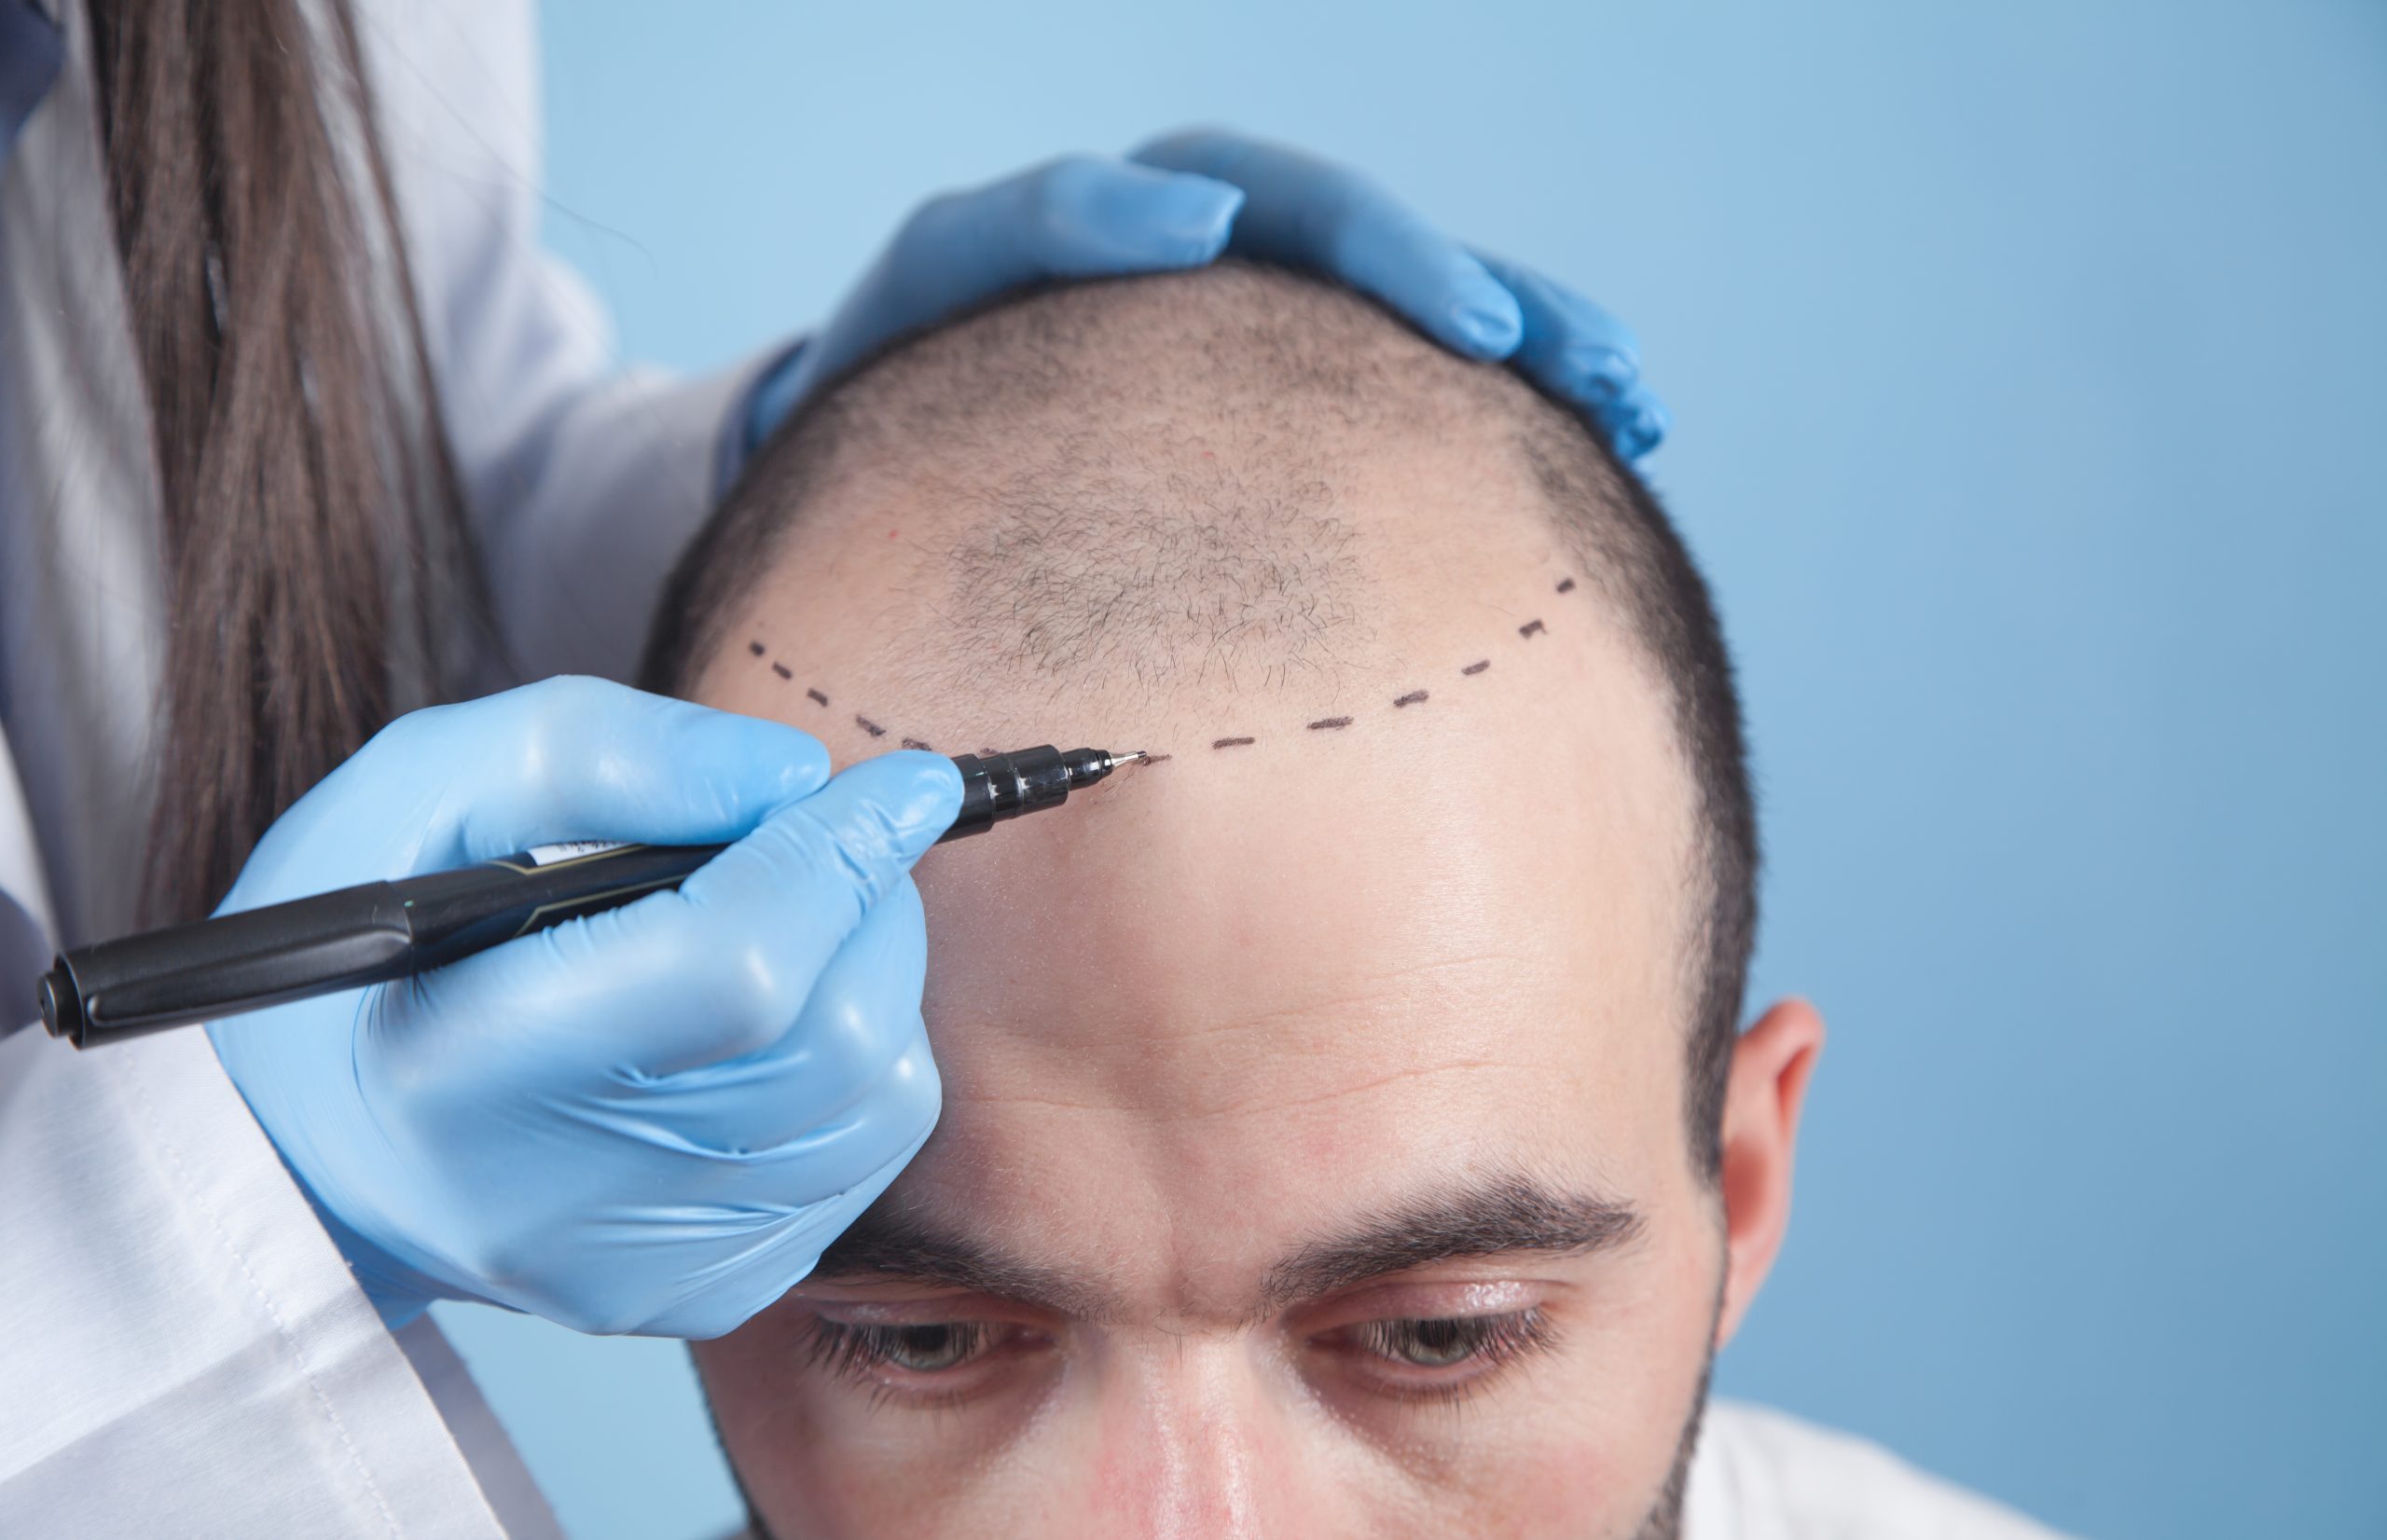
x=1151, y=472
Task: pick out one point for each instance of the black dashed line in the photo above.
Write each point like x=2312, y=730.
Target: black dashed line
x=1565, y=586
x=781, y=670
x=756, y=648
x=1414, y=697
x=1531, y=627
x=914, y=743
x=1233, y=743
x=1155, y=759
x=817, y=697
x=1323, y=723
x=869, y=726
x=1477, y=668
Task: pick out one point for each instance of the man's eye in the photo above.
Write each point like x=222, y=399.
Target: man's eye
x=1449, y=1341
x=1432, y=1344
x=931, y=1349
x=926, y=1350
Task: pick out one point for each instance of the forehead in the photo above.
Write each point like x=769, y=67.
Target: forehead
x=1383, y=957
x=1304, y=974
x=1317, y=966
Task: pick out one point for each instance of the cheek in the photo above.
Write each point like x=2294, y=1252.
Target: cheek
x=822, y=1460
x=802, y=1463
x=1587, y=1457
x=1578, y=1448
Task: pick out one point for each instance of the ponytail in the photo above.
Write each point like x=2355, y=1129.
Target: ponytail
x=319, y=568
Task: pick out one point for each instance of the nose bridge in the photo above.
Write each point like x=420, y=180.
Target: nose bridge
x=1190, y=1434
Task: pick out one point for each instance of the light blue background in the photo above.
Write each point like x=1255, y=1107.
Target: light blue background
x=2028, y=361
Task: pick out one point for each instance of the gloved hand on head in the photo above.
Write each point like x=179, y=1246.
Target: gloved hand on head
x=1188, y=199
x=648, y=1119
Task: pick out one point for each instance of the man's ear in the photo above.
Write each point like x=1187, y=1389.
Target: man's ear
x=1771, y=1067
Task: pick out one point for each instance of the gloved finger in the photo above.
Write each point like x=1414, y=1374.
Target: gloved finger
x=840, y=1074
x=565, y=759
x=1079, y=216
x=720, y=969
x=781, y=1250
x=585, y=759
x=837, y=1155
x=765, y=1215
x=1575, y=349
x=1643, y=424
x=1306, y=212
x=805, y=878
x=1584, y=355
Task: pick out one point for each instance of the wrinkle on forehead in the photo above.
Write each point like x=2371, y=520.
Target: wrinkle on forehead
x=1160, y=1111
x=1417, y=1029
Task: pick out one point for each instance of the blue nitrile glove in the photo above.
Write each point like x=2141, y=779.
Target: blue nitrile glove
x=1302, y=211
x=650, y=1120
x=1186, y=199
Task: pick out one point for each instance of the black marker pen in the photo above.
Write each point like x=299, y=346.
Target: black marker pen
x=385, y=931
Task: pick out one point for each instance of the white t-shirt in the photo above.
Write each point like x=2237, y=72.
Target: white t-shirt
x=1760, y=1474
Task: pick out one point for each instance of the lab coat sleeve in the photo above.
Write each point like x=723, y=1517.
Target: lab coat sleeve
x=585, y=476
x=182, y=1349
x=184, y=1352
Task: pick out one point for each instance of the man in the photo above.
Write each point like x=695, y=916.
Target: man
x=1345, y=1129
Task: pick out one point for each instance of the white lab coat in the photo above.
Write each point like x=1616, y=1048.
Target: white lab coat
x=182, y=1349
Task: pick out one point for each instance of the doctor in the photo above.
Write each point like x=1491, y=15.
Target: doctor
x=300, y=433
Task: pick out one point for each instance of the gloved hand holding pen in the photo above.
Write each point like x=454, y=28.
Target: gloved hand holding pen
x=653, y=1119
x=649, y=1120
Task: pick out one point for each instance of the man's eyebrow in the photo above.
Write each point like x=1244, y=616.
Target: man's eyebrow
x=898, y=1242
x=1489, y=1216
x=1486, y=1217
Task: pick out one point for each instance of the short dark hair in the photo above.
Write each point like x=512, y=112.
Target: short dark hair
x=1024, y=402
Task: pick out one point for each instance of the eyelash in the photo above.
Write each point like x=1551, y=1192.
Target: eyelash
x=1488, y=1344
x=852, y=1350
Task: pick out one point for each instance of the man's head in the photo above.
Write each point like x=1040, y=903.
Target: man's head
x=1345, y=1129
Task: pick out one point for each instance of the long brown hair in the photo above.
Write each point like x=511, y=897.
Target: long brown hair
x=318, y=564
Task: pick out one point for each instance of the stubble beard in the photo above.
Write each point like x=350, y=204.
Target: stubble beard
x=1665, y=1521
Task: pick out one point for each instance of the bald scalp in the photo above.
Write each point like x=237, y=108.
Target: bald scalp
x=1157, y=485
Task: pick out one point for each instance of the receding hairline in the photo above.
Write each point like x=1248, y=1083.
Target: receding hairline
x=1272, y=338
x=1092, y=388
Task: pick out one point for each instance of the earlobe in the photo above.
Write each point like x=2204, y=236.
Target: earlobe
x=1771, y=1067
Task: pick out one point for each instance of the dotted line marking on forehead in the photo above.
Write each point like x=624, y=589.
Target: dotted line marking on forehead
x=1525, y=632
